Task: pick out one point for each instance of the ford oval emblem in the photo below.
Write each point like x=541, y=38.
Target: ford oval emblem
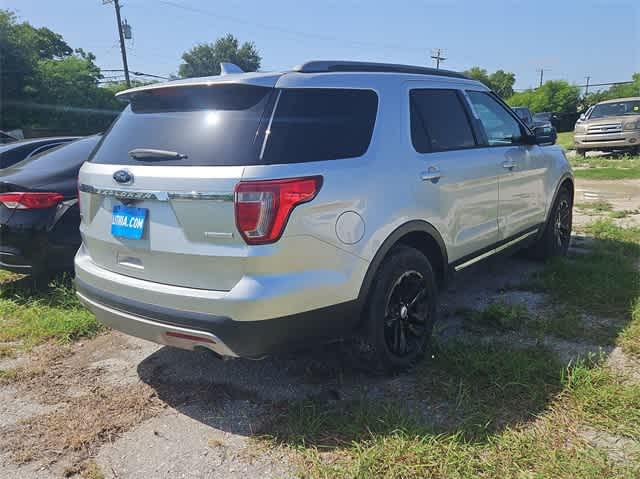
x=123, y=177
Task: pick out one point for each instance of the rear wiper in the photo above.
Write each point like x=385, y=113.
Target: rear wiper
x=151, y=154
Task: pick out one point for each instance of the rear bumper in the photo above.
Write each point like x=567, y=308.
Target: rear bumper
x=31, y=251
x=220, y=334
x=624, y=139
x=12, y=259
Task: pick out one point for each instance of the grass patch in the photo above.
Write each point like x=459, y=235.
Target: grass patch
x=565, y=140
x=621, y=214
x=629, y=339
x=8, y=375
x=599, y=206
x=489, y=410
x=387, y=439
x=483, y=386
x=608, y=173
x=561, y=322
x=602, y=281
x=607, y=168
x=29, y=318
x=624, y=161
x=80, y=425
x=501, y=315
x=604, y=399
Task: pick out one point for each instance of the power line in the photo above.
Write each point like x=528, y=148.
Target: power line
x=288, y=31
x=588, y=85
x=437, y=56
x=135, y=73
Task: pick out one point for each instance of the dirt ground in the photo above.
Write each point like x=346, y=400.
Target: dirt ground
x=127, y=408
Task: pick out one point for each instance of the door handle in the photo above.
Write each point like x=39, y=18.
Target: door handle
x=432, y=174
x=509, y=164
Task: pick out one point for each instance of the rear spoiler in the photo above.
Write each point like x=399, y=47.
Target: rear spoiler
x=230, y=74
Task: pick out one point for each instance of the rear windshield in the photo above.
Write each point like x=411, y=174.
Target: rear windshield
x=226, y=125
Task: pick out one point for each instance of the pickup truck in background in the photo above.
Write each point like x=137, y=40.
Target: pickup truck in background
x=612, y=125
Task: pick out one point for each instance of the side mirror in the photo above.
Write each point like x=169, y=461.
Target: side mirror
x=583, y=117
x=544, y=135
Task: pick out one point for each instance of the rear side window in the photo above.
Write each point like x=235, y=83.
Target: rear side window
x=66, y=156
x=226, y=125
x=439, y=121
x=12, y=154
x=320, y=124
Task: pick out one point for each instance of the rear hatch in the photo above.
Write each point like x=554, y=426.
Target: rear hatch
x=157, y=196
x=171, y=162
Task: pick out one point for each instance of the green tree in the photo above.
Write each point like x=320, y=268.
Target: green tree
x=554, y=95
x=205, y=59
x=613, y=92
x=502, y=83
x=479, y=74
x=627, y=90
x=46, y=84
x=499, y=81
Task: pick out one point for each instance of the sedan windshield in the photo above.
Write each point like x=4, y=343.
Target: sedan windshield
x=630, y=107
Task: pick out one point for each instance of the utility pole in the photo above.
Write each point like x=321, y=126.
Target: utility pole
x=541, y=70
x=437, y=56
x=586, y=87
x=123, y=49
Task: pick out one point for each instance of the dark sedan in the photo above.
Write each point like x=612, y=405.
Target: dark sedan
x=16, y=151
x=39, y=214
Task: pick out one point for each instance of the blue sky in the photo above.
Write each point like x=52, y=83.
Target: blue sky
x=570, y=38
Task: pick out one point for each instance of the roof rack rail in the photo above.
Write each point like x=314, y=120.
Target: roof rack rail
x=324, y=66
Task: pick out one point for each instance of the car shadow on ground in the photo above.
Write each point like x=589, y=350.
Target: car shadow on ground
x=474, y=380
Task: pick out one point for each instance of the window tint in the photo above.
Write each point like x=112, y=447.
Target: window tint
x=320, y=124
x=225, y=125
x=525, y=115
x=12, y=154
x=63, y=156
x=211, y=125
x=439, y=121
x=499, y=125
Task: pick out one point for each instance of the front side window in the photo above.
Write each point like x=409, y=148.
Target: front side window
x=499, y=125
x=439, y=121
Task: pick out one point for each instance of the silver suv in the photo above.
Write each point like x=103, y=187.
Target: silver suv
x=251, y=212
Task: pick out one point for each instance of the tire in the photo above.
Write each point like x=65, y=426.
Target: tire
x=581, y=152
x=556, y=237
x=400, y=311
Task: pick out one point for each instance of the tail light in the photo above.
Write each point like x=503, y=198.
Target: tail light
x=29, y=201
x=263, y=207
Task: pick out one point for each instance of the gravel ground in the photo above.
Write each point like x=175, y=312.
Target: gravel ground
x=197, y=413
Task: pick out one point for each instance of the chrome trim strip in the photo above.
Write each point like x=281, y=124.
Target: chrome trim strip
x=496, y=250
x=218, y=234
x=157, y=195
x=201, y=195
x=268, y=130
